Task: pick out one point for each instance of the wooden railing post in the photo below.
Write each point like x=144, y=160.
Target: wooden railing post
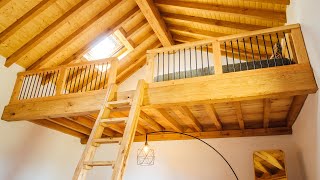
x=113, y=71
x=150, y=68
x=61, y=81
x=299, y=46
x=17, y=88
x=217, y=57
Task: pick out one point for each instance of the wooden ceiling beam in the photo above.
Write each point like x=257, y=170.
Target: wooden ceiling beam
x=48, y=31
x=235, y=11
x=71, y=125
x=156, y=22
x=190, y=117
x=211, y=112
x=26, y=18
x=170, y=121
x=57, y=127
x=266, y=112
x=237, y=106
x=3, y=3
x=283, y=2
x=121, y=35
x=150, y=122
x=137, y=28
x=98, y=38
x=211, y=22
x=195, y=32
x=75, y=35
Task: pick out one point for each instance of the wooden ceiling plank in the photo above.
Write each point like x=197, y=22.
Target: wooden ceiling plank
x=237, y=106
x=211, y=112
x=26, y=18
x=239, y=11
x=156, y=22
x=121, y=35
x=266, y=112
x=48, y=31
x=190, y=117
x=296, y=106
x=3, y=3
x=57, y=127
x=171, y=122
x=97, y=39
x=211, y=22
x=150, y=122
x=283, y=2
x=137, y=28
x=75, y=35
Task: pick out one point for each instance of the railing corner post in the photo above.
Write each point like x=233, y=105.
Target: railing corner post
x=299, y=46
x=113, y=71
x=17, y=88
x=61, y=81
x=150, y=68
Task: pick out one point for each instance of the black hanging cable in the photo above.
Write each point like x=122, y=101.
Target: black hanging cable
x=185, y=63
x=165, y=131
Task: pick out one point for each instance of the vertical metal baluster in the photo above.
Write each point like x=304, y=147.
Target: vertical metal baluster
x=245, y=53
x=32, y=85
x=88, y=78
x=27, y=78
x=195, y=52
x=254, y=62
x=163, y=66
x=208, y=60
x=274, y=57
x=202, y=73
x=225, y=49
x=38, y=85
x=259, y=51
x=179, y=65
x=185, y=63
x=168, y=65
x=22, y=88
x=174, y=65
x=281, y=50
x=239, y=54
x=234, y=69
x=285, y=39
x=158, y=68
x=265, y=49
x=190, y=61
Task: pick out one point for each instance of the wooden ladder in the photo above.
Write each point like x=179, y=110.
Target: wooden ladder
x=95, y=139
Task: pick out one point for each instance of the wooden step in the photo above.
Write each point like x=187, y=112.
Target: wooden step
x=117, y=104
x=90, y=164
x=98, y=141
x=114, y=120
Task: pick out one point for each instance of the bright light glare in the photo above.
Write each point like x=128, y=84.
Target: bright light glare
x=105, y=49
x=146, y=149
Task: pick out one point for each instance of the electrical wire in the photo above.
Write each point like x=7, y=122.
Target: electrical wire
x=155, y=132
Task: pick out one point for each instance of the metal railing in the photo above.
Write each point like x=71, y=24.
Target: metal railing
x=252, y=50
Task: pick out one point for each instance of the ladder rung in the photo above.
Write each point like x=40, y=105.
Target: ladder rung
x=114, y=104
x=99, y=163
x=107, y=140
x=114, y=120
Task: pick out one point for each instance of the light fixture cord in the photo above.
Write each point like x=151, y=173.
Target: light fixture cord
x=155, y=132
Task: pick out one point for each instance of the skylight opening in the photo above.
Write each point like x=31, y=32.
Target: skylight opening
x=104, y=49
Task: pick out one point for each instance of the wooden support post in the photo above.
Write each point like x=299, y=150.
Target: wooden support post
x=113, y=71
x=150, y=68
x=299, y=46
x=17, y=88
x=217, y=57
x=61, y=80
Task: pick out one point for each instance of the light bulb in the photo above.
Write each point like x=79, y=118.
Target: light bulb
x=146, y=148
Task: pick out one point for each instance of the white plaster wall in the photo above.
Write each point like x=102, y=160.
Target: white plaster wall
x=307, y=127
